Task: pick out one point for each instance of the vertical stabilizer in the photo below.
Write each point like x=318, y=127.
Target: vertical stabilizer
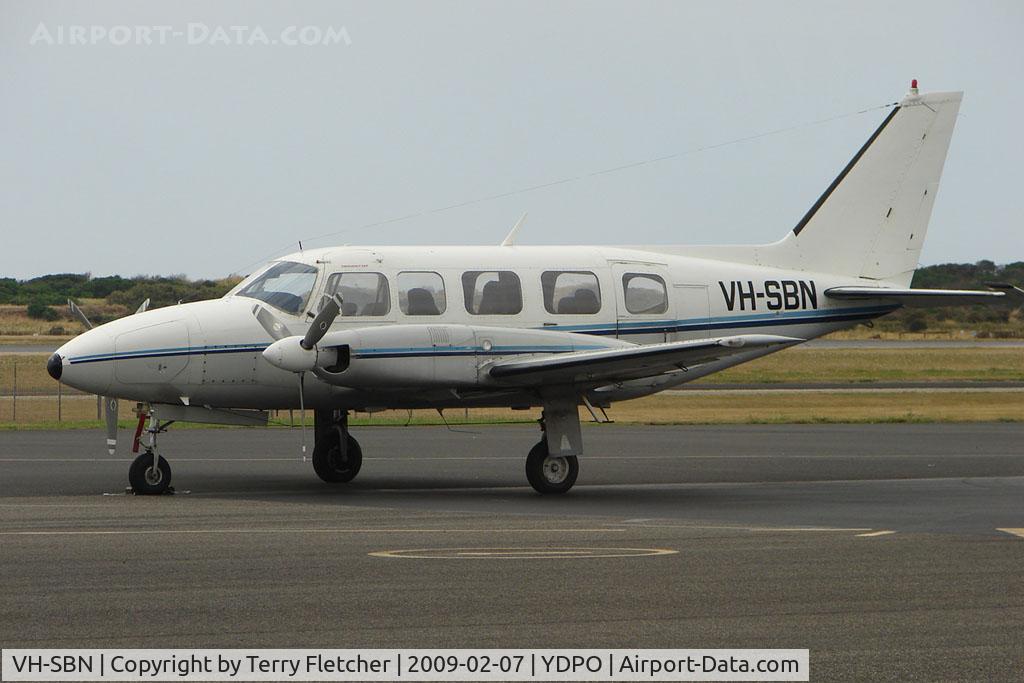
x=871, y=221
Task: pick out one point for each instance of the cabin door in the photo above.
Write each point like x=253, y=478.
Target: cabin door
x=644, y=302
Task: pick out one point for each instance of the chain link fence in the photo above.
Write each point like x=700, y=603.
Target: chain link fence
x=28, y=395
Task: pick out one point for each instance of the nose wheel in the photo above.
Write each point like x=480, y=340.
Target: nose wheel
x=149, y=474
x=337, y=459
x=549, y=474
x=337, y=456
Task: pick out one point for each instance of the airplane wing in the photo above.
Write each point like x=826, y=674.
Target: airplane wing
x=916, y=298
x=626, y=363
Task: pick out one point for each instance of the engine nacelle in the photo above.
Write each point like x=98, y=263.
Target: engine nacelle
x=396, y=356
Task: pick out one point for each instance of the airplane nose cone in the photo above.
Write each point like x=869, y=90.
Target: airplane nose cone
x=55, y=366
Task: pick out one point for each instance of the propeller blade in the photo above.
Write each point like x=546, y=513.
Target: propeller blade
x=77, y=312
x=143, y=308
x=322, y=322
x=274, y=327
x=111, y=415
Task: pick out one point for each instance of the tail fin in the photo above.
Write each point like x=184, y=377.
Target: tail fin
x=872, y=219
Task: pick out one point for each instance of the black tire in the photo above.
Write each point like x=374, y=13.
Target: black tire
x=548, y=474
x=330, y=464
x=145, y=480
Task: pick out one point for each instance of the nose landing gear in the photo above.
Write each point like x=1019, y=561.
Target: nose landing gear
x=149, y=474
x=337, y=456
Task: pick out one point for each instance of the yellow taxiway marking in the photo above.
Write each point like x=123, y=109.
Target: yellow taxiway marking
x=140, y=532
x=885, y=532
x=1015, y=532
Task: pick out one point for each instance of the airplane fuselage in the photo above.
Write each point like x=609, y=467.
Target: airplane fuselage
x=209, y=352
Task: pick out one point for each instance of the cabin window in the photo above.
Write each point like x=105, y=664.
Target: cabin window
x=571, y=292
x=492, y=292
x=361, y=293
x=645, y=293
x=421, y=293
x=285, y=285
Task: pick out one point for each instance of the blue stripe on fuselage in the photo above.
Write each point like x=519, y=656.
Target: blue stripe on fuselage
x=599, y=329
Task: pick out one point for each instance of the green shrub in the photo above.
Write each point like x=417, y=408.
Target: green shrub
x=39, y=310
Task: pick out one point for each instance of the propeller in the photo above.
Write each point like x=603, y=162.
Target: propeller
x=322, y=322
x=282, y=353
x=110, y=404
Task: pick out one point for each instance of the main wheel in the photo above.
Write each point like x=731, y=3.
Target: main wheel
x=550, y=473
x=331, y=463
x=147, y=480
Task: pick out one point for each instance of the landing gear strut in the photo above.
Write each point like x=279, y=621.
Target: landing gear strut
x=337, y=456
x=552, y=465
x=149, y=474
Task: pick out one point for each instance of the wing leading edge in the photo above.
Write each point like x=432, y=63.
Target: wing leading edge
x=634, y=362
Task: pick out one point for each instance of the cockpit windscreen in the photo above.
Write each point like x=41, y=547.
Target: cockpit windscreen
x=285, y=285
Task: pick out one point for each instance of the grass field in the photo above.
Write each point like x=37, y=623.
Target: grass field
x=804, y=365
x=879, y=365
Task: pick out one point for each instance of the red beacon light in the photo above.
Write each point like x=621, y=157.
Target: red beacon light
x=913, y=87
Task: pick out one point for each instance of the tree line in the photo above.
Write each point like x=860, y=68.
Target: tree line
x=41, y=294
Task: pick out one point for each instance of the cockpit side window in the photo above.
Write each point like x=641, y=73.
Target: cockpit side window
x=361, y=293
x=285, y=285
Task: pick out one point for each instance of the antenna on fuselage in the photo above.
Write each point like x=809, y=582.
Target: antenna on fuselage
x=510, y=238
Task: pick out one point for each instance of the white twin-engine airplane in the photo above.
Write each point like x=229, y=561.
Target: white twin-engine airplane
x=369, y=328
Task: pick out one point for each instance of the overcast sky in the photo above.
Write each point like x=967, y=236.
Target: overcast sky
x=199, y=157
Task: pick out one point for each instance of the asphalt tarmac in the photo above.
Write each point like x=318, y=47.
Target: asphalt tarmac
x=892, y=552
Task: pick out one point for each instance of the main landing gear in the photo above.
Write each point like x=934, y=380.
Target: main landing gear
x=552, y=465
x=337, y=456
x=550, y=473
x=149, y=474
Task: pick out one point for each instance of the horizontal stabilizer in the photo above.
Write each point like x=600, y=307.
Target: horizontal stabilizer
x=632, y=362
x=915, y=298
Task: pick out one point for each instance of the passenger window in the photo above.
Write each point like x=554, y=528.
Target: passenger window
x=645, y=293
x=492, y=292
x=571, y=292
x=362, y=293
x=421, y=293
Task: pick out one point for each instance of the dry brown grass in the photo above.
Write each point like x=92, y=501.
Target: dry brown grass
x=44, y=410
x=16, y=325
x=803, y=364
x=31, y=374
x=737, y=407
